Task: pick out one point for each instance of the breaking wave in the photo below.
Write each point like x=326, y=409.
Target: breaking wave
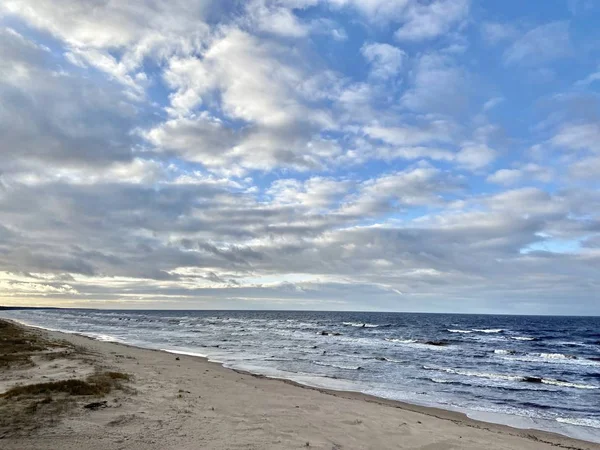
x=504, y=352
x=593, y=423
x=336, y=366
x=506, y=377
x=362, y=325
x=402, y=341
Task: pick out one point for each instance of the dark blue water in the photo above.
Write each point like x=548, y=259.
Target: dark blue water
x=543, y=370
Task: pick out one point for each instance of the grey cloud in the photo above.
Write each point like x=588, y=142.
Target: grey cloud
x=39, y=120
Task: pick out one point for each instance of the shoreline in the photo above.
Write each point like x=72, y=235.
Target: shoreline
x=439, y=418
x=570, y=431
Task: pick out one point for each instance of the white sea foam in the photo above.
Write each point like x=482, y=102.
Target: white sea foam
x=361, y=325
x=556, y=356
x=459, y=331
x=503, y=352
x=568, y=384
x=506, y=377
x=102, y=337
x=402, y=341
x=468, y=373
x=442, y=381
x=336, y=366
x=551, y=358
x=181, y=352
x=522, y=338
x=582, y=422
x=397, y=361
x=490, y=330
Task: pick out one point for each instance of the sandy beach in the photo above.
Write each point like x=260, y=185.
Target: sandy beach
x=186, y=402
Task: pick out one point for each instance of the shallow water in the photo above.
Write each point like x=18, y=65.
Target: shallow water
x=542, y=372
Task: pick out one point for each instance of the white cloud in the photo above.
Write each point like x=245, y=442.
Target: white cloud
x=525, y=173
x=495, y=33
x=420, y=185
x=439, y=86
x=385, y=59
x=578, y=137
x=432, y=19
x=437, y=131
x=591, y=78
x=586, y=169
x=316, y=193
x=139, y=29
x=506, y=177
x=475, y=156
x=542, y=44
x=492, y=103
x=376, y=10
x=277, y=20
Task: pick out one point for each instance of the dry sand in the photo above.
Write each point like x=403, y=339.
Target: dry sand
x=190, y=403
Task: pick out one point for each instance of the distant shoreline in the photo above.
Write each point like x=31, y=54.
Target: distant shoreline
x=16, y=308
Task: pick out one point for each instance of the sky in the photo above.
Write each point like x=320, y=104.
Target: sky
x=407, y=155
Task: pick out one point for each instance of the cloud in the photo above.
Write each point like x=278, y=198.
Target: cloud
x=591, y=78
x=41, y=123
x=586, y=169
x=495, y=33
x=492, y=103
x=421, y=185
x=525, y=173
x=584, y=136
x=427, y=20
x=386, y=60
x=542, y=44
x=438, y=86
x=267, y=121
x=276, y=20
x=222, y=154
x=475, y=156
x=316, y=193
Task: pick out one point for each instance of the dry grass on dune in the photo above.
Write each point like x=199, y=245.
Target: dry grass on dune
x=28, y=406
x=96, y=385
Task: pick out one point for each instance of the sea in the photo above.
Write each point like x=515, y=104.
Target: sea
x=537, y=372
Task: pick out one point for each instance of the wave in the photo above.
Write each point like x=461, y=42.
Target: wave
x=402, y=341
x=553, y=358
x=501, y=388
x=319, y=363
x=384, y=359
x=556, y=356
x=459, y=331
x=488, y=330
x=182, y=352
x=506, y=377
x=101, y=337
x=524, y=338
x=430, y=344
x=491, y=376
x=582, y=422
x=504, y=352
x=443, y=381
x=363, y=325
x=568, y=384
